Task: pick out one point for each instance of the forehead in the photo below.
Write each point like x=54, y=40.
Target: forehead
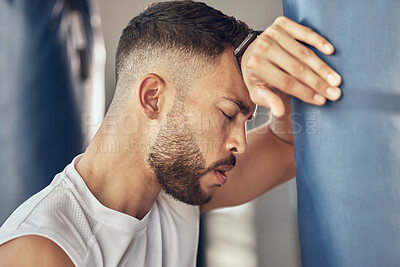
x=223, y=81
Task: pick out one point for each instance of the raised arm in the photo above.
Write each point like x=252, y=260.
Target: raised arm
x=274, y=66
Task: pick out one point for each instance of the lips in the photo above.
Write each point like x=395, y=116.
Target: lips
x=224, y=168
x=220, y=172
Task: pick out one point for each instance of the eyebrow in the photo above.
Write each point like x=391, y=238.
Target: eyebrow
x=244, y=109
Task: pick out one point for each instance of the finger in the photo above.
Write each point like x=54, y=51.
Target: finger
x=302, y=72
x=305, y=34
x=304, y=54
x=258, y=70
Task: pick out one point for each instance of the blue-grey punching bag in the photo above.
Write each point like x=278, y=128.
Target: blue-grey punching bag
x=347, y=153
x=43, y=63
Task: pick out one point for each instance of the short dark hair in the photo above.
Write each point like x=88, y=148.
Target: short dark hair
x=187, y=26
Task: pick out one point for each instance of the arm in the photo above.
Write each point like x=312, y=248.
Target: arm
x=277, y=60
x=33, y=251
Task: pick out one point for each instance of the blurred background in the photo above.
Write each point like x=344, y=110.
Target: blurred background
x=86, y=34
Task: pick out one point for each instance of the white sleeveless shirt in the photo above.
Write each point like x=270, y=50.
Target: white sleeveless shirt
x=91, y=234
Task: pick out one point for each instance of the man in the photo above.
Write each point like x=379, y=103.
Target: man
x=173, y=143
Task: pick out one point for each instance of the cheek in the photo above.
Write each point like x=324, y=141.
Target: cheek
x=211, y=147
x=210, y=131
x=212, y=125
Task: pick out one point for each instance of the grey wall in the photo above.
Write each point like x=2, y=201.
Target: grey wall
x=274, y=213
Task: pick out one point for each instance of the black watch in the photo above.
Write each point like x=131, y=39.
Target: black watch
x=239, y=51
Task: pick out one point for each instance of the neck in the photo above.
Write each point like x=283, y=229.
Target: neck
x=119, y=176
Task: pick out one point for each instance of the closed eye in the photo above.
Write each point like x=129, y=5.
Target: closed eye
x=227, y=116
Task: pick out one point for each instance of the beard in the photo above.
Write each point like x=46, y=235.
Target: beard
x=178, y=162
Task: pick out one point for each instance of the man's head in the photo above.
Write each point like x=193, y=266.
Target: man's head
x=183, y=37
x=174, y=63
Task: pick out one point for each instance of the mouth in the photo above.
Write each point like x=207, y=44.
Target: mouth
x=220, y=173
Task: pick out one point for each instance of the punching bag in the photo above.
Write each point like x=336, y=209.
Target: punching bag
x=347, y=153
x=46, y=85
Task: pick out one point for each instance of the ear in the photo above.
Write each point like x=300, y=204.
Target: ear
x=149, y=95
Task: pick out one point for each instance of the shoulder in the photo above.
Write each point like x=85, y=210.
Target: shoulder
x=33, y=250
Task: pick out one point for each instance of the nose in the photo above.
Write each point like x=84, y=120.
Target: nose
x=237, y=140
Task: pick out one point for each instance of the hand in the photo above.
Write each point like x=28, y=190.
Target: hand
x=276, y=59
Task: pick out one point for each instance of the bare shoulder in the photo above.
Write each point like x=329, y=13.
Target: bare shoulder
x=33, y=250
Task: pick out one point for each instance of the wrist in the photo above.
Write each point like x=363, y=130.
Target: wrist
x=281, y=127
